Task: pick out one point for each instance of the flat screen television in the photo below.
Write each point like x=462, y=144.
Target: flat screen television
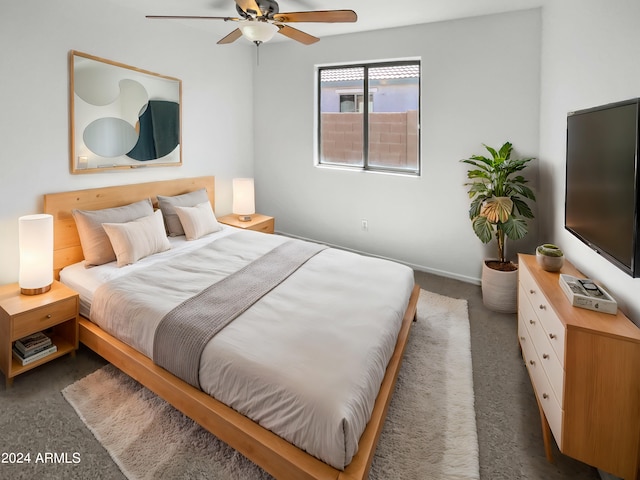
x=602, y=182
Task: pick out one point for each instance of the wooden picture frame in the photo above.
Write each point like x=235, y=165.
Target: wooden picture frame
x=122, y=117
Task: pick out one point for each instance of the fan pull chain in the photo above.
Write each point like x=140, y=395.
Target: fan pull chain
x=258, y=52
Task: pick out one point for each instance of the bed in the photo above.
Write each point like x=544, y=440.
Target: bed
x=279, y=457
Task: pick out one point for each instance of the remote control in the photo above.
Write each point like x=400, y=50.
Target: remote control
x=591, y=288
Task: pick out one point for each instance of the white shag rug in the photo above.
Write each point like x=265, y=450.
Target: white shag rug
x=430, y=431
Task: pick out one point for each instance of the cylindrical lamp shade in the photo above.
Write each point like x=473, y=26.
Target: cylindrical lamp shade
x=244, y=204
x=35, y=237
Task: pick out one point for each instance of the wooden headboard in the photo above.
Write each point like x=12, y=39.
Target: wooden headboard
x=66, y=243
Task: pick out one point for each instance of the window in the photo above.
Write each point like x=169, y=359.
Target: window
x=350, y=102
x=352, y=133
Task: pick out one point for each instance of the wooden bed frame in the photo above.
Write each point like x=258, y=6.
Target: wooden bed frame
x=275, y=455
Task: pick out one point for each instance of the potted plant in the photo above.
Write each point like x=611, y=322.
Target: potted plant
x=498, y=211
x=550, y=257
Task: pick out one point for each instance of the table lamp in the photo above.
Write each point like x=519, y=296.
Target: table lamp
x=243, y=199
x=35, y=238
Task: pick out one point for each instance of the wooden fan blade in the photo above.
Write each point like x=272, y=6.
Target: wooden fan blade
x=232, y=37
x=192, y=17
x=297, y=35
x=249, y=6
x=324, y=16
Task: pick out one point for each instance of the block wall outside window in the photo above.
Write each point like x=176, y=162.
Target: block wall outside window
x=393, y=139
x=342, y=139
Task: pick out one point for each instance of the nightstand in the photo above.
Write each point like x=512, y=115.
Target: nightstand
x=259, y=223
x=55, y=313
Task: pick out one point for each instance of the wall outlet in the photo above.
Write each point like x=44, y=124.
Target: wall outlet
x=364, y=225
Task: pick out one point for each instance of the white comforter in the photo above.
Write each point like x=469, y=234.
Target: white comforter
x=306, y=361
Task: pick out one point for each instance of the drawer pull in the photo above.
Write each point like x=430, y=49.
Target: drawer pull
x=532, y=291
x=531, y=362
x=542, y=307
x=552, y=336
x=48, y=315
x=545, y=356
x=532, y=322
x=522, y=338
x=545, y=396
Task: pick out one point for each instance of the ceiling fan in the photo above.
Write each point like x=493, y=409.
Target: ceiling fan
x=260, y=20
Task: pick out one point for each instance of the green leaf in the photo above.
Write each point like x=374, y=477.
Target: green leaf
x=478, y=189
x=515, y=228
x=479, y=162
x=505, y=150
x=474, y=209
x=483, y=229
x=482, y=159
x=478, y=174
x=522, y=207
x=526, y=192
x=519, y=179
x=493, y=153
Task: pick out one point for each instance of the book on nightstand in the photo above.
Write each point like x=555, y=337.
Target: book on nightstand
x=33, y=356
x=32, y=343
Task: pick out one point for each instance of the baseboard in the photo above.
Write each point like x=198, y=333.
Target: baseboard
x=420, y=268
x=607, y=476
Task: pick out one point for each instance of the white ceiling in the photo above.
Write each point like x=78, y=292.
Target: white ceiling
x=372, y=14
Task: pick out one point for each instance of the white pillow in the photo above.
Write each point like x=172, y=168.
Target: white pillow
x=137, y=239
x=197, y=221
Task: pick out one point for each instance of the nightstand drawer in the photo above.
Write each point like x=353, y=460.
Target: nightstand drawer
x=44, y=317
x=258, y=222
x=268, y=226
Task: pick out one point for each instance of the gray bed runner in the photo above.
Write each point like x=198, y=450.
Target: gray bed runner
x=184, y=332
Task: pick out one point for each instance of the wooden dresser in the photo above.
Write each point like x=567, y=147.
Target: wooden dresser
x=585, y=371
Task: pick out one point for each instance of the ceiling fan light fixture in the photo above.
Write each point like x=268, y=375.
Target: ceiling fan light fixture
x=257, y=31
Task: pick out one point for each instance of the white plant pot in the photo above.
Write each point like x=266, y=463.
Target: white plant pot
x=499, y=290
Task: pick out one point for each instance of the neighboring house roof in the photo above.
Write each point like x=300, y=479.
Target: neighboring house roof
x=377, y=73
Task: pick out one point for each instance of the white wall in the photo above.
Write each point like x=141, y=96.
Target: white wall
x=35, y=38
x=590, y=57
x=480, y=84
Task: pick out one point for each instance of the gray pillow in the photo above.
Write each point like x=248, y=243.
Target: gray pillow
x=167, y=204
x=96, y=245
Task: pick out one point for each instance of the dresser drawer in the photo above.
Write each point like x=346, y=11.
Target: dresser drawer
x=528, y=283
x=553, y=366
x=552, y=325
x=541, y=385
x=44, y=317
